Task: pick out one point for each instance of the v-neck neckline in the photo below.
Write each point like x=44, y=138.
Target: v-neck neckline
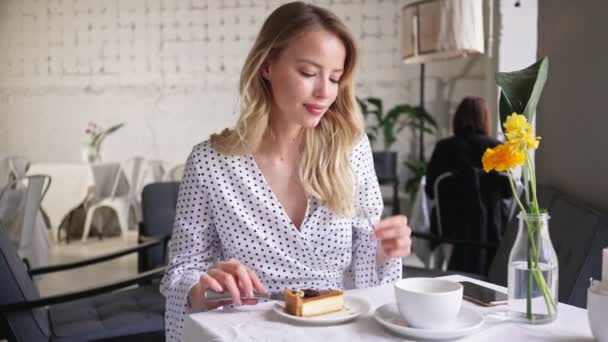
x=276, y=199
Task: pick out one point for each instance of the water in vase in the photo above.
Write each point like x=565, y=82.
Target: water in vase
x=542, y=312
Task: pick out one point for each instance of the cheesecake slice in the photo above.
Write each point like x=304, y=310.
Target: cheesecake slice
x=309, y=303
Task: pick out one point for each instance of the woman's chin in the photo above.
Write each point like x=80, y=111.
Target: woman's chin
x=311, y=122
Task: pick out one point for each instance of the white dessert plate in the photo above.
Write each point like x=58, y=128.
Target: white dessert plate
x=354, y=307
x=467, y=322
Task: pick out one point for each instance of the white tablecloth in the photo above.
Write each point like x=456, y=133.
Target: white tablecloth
x=260, y=323
x=71, y=183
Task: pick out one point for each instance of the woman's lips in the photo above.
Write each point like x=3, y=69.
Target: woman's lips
x=314, y=109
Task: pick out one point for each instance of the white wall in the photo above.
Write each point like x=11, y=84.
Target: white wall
x=572, y=115
x=169, y=70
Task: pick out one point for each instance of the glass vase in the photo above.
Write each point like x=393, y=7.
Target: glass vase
x=533, y=272
x=90, y=154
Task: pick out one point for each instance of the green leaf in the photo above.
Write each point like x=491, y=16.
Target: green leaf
x=426, y=117
x=399, y=110
x=363, y=106
x=114, y=128
x=388, y=132
x=379, y=111
x=520, y=90
x=100, y=137
x=371, y=137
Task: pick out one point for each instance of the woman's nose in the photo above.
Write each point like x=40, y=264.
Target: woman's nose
x=321, y=89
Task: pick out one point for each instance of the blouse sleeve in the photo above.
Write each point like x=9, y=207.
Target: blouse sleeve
x=367, y=267
x=194, y=245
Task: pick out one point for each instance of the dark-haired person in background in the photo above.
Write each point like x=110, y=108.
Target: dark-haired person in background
x=471, y=200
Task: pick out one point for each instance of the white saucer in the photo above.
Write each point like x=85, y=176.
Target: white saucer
x=354, y=307
x=467, y=322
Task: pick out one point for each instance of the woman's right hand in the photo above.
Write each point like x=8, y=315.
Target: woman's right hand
x=226, y=276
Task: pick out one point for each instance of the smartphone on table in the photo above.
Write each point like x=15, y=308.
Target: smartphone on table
x=482, y=295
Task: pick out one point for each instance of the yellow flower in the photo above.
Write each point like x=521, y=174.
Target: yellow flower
x=519, y=133
x=501, y=158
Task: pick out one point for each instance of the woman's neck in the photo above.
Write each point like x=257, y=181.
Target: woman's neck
x=283, y=143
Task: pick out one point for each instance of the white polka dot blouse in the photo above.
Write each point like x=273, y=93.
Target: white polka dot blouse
x=225, y=209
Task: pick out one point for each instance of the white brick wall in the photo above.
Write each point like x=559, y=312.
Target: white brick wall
x=169, y=70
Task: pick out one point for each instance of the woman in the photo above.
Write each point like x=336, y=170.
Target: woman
x=472, y=127
x=287, y=197
x=471, y=200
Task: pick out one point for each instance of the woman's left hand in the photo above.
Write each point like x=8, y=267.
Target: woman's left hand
x=394, y=236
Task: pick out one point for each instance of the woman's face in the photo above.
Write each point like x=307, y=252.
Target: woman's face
x=304, y=78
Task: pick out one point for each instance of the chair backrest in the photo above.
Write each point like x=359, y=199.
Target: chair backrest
x=18, y=166
x=4, y=172
x=110, y=180
x=176, y=173
x=592, y=267
x=469, y=206
x=17, y=286
x=158, y=205
x=31, y=190
x=37, y=187
x=134, y=169
x=156, y=170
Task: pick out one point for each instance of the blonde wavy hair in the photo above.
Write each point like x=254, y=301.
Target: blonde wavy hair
x=324, y=167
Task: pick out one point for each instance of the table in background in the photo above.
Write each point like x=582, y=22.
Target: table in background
x=71, y=184
x=260, y=323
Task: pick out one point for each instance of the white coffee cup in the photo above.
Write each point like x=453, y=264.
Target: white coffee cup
x=428, y=303
x=597, y=311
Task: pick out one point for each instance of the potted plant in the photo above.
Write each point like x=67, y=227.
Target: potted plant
x=96, y=135
x=387, y=126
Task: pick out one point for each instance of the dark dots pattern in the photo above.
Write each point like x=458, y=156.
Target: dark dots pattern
x=225, y=209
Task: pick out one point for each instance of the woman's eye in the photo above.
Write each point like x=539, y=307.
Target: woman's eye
x=334, y=81
x=307, y=74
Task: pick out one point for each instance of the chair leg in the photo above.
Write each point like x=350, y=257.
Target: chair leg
x=87, y=223
x=122, y=212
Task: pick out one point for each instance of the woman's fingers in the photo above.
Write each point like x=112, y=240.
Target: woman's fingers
x=395, y=248
x=394, y=236
x=228, y=282
x=236, y=278
x=257, y=284
x=242, y=273
x=209, y=282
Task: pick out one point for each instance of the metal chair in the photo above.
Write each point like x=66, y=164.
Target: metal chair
x=468, y=220
x=120, y=203
x=32, y=243
x=176, y=173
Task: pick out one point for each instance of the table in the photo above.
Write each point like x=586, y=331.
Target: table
x=261, y=324
x=71, y=184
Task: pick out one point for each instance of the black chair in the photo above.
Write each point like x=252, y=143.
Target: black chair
x=95, y=314
x=469, y=215
x=158, y=209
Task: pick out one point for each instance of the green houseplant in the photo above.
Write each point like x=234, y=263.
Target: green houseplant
x=386, y=126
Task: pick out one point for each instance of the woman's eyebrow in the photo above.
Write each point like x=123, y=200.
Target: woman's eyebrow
x=304, y=60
